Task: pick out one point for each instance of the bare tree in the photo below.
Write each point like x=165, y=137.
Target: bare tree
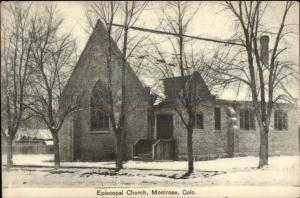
x=16, y=52
x=176, y=17
x=108, y=13
x=263, y=76
x=53, y=59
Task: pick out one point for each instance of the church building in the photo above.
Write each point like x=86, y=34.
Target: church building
x=222, y=128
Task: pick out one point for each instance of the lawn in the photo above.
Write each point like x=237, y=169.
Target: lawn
x=242, y=171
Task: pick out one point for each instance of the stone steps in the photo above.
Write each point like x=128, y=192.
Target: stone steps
x=143, y=157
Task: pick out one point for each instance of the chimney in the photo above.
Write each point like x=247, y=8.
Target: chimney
x=264, y=50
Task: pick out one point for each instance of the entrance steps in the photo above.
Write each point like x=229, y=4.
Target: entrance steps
x=143, y=157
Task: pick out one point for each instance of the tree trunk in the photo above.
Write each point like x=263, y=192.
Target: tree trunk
x=56, y=150
x=119, y=161
x=263, y=152
x=9, y=153
x=190, y=150
x=124, y=145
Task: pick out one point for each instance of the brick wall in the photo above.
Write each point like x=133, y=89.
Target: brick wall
x=280, y=142
x=207, y=142
x=211, y=143
x=285, y=142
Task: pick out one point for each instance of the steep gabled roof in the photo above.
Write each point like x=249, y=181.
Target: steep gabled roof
x=173, y=86
x=99, y=34
x=91, y=65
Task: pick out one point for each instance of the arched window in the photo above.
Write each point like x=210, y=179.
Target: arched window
x=99, y=108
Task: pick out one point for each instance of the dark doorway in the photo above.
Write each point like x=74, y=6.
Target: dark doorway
x=164, y=124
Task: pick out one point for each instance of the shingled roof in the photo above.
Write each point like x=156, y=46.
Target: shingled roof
x=173, y=86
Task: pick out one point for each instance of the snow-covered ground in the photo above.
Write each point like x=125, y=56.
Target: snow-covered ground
x=282, y=170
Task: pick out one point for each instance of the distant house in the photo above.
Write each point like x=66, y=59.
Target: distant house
x=42, y=136
x=155, y=132
x=30, y=141
x=31, y=138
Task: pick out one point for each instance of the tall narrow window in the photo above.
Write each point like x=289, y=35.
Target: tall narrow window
x=247, y=119
x=98, y=108
x=280, y=120
x=217, y=118
x=198, y=124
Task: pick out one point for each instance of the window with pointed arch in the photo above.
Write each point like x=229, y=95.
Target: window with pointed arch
x=98, y=108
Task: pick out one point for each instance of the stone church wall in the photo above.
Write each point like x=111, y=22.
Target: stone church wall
x=209, y=143
x=80, y=142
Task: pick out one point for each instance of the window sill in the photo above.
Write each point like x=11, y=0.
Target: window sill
x=201, y=130
x=100, y=132
x=249, y=130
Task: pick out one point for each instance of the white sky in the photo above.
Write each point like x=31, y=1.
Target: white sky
x=209, y=22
